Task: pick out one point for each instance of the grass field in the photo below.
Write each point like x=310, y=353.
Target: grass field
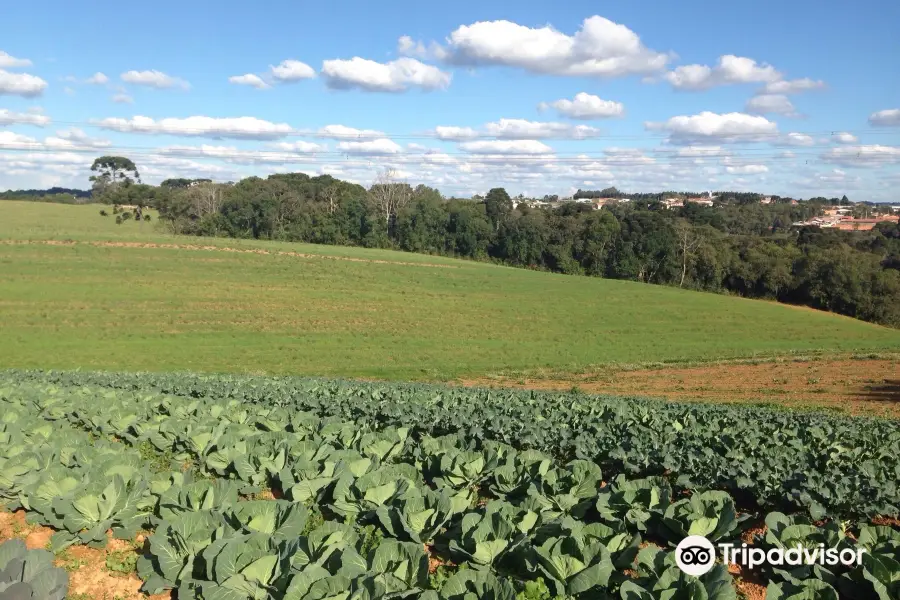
x=129, y=298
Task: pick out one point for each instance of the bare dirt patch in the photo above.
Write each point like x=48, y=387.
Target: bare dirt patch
x=89, y=575
x=854, y=386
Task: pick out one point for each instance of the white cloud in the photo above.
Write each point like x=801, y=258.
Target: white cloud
x=730, y=70
x=844, y=138
x=886, y=118
x=249, y=79
x=10, y=140
x=154, y=79
x=11, y=62
x=520, y=129
x=342, y=132
x=97, y=79
x=798, y=139
x=406, y=46
x=234, y=155
x=600, y=48
x=299, y=147
x=587, y=106
x=748, y=170
x=771, y=104
x=445, y=132
x=863, y=156
x=122, y=99
x=228, y=127
x=793, y=86
x=7, y=117
x=74, y=138
x=378, y=146
x=506, y=147
x=396, y=76
x=21, y=84
x=292, y=70
x=731, y=127
x=701, y=151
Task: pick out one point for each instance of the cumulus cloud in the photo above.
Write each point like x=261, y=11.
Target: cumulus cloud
x=290, y=154
x=529, y=147
x=601, y=48
x=885, y=118
x=729, y=127
x=342, y=132
x=74, y=139
x=16, y=141
x=748, y=170
x=8, y=61
x=249, y=79
x=863, y=156
x=765, y=104
x=793, y=86
x=445, y=132
x=299, y=147
x=292, y=70
x=201, y=126
x=97, y=78
x=520, y=129
x=586, y=106
x=396, y=76
x=377, y=146
x=798, y=139
x=844, y=137
x=68, y=141
x=730, y=70
x=7, y=117
x=406, y=46
x=21, y=84
x=122, y=99
x=154, y=79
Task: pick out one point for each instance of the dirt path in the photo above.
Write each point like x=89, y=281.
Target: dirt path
x=222, y=249
x=864, y=387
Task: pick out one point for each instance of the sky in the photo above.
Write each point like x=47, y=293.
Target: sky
x=796, y=98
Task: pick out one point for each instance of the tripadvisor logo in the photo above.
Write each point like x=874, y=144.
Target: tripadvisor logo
x=696, y=555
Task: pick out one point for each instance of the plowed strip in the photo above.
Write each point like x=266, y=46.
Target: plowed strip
x=869, y=387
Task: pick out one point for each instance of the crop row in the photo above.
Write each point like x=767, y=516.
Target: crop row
x=368, y=511
x=830, y=466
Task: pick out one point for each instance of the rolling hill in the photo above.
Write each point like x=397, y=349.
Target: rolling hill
x=77, y=290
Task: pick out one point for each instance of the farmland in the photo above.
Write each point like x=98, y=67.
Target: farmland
x=298, y=488
x=131, y=298
x=205, y=448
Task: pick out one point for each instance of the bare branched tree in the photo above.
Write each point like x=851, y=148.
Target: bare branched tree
x=330, y=196
x=688, y=241
x=389, y=195
x=205, y=198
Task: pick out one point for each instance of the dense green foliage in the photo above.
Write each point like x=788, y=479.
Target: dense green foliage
x=738, y=246
x=29, y=574
x=775, y=459
x=503, y=520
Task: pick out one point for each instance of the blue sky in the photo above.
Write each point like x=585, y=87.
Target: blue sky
x=791, y=98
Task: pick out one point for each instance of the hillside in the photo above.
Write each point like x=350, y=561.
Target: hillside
x=132, y=298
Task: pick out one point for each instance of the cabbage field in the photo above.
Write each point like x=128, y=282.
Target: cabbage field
x=312, y=489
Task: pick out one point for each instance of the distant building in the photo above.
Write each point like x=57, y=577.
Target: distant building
x=766, y=200
x=673, y=202
x=702, y=201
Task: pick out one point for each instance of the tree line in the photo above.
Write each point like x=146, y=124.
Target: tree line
x=740, y=247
